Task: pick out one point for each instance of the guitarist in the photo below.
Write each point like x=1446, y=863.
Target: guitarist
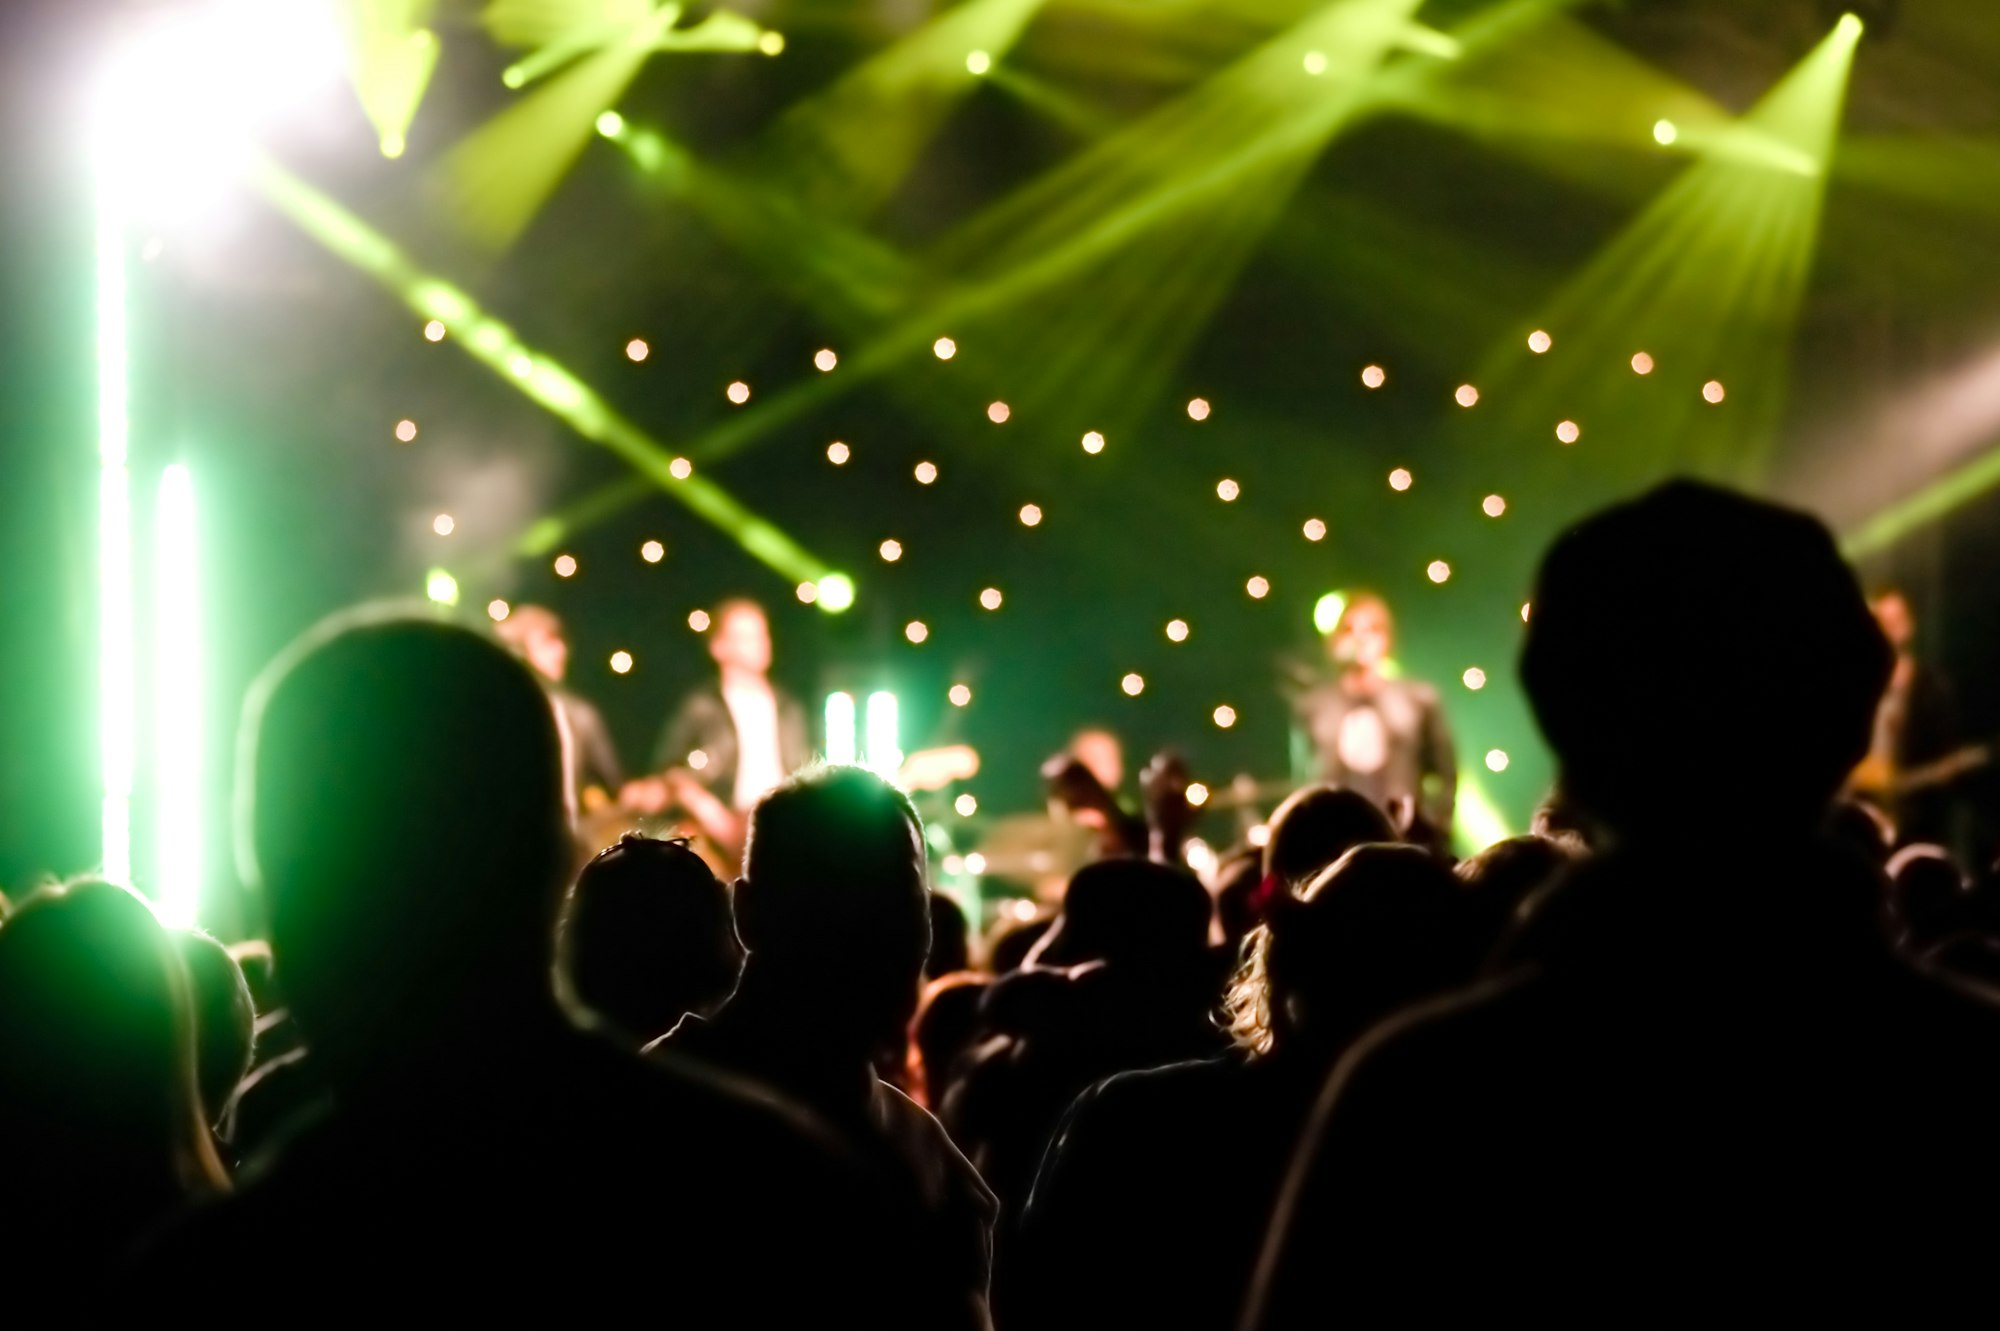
x=1913, y=729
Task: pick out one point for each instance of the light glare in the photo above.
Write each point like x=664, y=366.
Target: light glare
x=926, y=472
x=1093, y=442
x=1373, y=376
x=621, y=662
x=653, y=552
x=1438, y=570
x=990, y=598
x=1315, y=530
x=497, y=610
x=1197, y=409
x=1225, y=716
x=565, y=566
x=1399, y=479
x=1031, y=515
x=443, y=524
x=1567, y=432
x=1539, y=341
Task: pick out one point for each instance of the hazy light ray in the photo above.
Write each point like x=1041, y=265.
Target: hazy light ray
x=540, y=378
x=392, y=56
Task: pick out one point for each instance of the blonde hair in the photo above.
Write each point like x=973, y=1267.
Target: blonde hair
x=1247, y=1017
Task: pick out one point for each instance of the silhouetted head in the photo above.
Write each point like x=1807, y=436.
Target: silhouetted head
x=1013, y=938
x=403, y=808
x=1365, y=634
x=951, y=942
x=832, y=905
x=646, y=936
x=535, y=634
x=946, y=1021
x=1695, y=639
x=1237, y=886
x=740, y=638
x=1506, y=873
x=1892, y=612
x=1130, y=913
x=1929, y=896
x=97, y=1049
x=1864, y=829
x=1382, y=928
x=1101, y=754
x=225, y=1019
x=1316, y=826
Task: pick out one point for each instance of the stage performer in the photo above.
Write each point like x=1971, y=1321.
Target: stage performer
x=535, y=634
x=1376, y=733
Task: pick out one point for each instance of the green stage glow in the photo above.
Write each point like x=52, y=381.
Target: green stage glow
x=538, y=376
x=884, y=752
x=116, y=669
x=1476, y=820
x=840, y=733
x=836, y=592
x=1328, y=610
x=441, y=587
x=1926, y=506
x=178, y=761
x=391, y=55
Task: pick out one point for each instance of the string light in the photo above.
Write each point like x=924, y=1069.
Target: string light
x=621, y=662
x=1399, y=479
x=737, y=392
x=443, y=524
x=998, y=412
x=960, y=695
x=565, y=566
x=975, y=865
x=1225, y=716
x=406, y=430
x=990, y=598
x=807, y=592
x=1466, y=395
x=1438, y=570
x=698, y=621
x=1539, y=341
x=1493, y=506
x=1712, y=390
x=1177, y=630
x=891, y=551
x=944, y=348
x=636, y=350
x=1031, y=515
x=1642, y=363
x=824, y=359
x=916, y=630
x=965, y=805
x=1259, y=587
x=1226, y=490
x=1567, y=432
x=977, y=63
x=434, y=331
x=1134, y=684
x=771, y=43
x=1496, y=760
x=1197, y=409
x=1373, y=376
x=1314, y=529
x=680, y=469
x=1474, y=678
x=836, y=453
x=1197, y=794
x=926, y=472
x=497, y=610
x=1665, y=132
x=653, y=552
x=1093, y=442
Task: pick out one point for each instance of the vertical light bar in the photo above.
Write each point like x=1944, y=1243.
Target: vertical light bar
x=176, y=669
x=883, y=734
x=840, y=727
x=115, y=670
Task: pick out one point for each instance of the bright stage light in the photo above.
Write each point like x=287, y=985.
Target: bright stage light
x=1437, y=570
x=1712, y=391
x=990, y=599
x=1226, y=490
x=610, y=124
x=926, y=472
x=1225, y=716
x=1314, y=63
x=836, y=592
x=653, y=551
x=441, y=587
x=997, y=412
x=1177, y=630
x=807, y=592
x=738, y=392
x=636, y=350
x=1539, y=341
x=1259, y=587
x=1197, y=794
x=891, y=551
x=179, y=768
x=1197, y=409
x=1314, y=530
x=1399, y=479
x=1567, y=432
x=965, y=805
x=1373, y=376
x=960, y=695
x=883, y=734
x=944, y=348
x=1134, y=684
x=1093, y=442
x=565, y=566
x=771, y=43
x=1665, y=132
x=1493, y=506
x=1496, y=760
x=497, y=610
x=444, y=524
x=840, y=732
x=434, y=331
x=1466, y=395
x=978, y=63
x=1031, y=515
x=680, y=469
x=1642, y=363
x=1474, y=678
x=916, y=630
x=621, y=662
x=406, y=431
x=1327, y=611
x=824, y=359
x=837, y=453
x=698, y=620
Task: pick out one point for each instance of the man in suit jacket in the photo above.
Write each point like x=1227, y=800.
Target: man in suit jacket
x=741, y=735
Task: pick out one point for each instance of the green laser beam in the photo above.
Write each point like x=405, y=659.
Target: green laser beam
x=1899, y=520
x=545, y=382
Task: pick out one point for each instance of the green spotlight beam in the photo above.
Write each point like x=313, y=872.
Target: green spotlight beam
x=116, y=664
x=392, y=55
x=179, y=784
x=1951, y=491
x=544, y=381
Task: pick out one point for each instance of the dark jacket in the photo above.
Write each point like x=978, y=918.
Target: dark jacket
x=701, y=724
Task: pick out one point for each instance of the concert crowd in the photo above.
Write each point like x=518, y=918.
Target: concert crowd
x=1717, y=1036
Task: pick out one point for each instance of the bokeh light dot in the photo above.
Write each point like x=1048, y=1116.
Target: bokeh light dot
x=621, y=662
x=837, y=453
x=824, y=359
x=498, y=609
x=1225, y=716
x=1567, y=432
x=977, y=63
x=807, y=592
x=944, y=348
x=406, y=430
x=443, y=524
x=1197, y=409
x=698, y=621
x=1134, y=684
x=1314, y=63
x=1093, y=442
x=965, y=805
x=1474, y=678
x=998, y=412
x=916, y=630
x=1226, y=490
x=1315, y=530
x=434, y=331
x=1177, y=630
x=1259, y=587
x=653, y=552
x=1031, y=514
x=1493, y=506
x=1438, y=571
x=891, y=551
x=1400, y=479
x=990, y=598
x=1466, y=395
x=1197, y=794
x=926, y=472
x=1539, y=341
x=960, y=695
x=680, y=469
x=636, y=350
x=565, y=566
x=1496, y=760
x=1373, y=376
x=1712, y=391
x=1642, y=363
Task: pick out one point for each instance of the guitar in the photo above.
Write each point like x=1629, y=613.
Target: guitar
x=1881, y=779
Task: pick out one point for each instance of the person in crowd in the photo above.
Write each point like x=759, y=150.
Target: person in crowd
x=225, y=1020
x=403, y=813
x=1506, y=875
x=535, y=634
x=102, y=1129
x=835, y=919
x=1123, y=979
x=1914, y=730
x=1701, y=1078
x=1011, y=938
x=1311, y=829
x=1929, y=898
x=947, y=1020
x=1172, y=1170
x=951, y=940
x=646, y=937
